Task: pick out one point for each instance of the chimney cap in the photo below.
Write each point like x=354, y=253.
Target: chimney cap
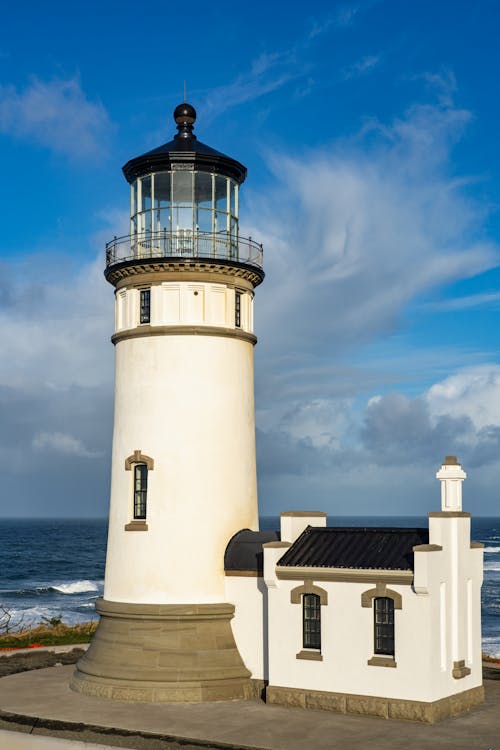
x=450, y=461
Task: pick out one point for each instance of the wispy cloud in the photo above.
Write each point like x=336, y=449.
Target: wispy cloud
x=56, y=114
x=342, y=17
x=486, y=299
x=267, y=73
x=60, y=442
x=361, y=67
x=444, y=84
x=271, y=71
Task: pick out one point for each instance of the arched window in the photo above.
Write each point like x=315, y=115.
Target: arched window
x=140, y=491
x=311, y=619
x=383, y=622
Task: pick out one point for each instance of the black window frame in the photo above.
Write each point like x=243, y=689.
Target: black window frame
x=311, y=621
x=145, y=306
x=140, y=491
x=383, y=626
x=237, y=309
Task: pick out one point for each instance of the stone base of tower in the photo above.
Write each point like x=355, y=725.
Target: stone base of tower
x=163, y=653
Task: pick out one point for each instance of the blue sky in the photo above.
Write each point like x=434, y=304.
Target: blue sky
x=369, y=130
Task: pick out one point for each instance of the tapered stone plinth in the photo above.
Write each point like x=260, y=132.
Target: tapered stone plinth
x=163, y=653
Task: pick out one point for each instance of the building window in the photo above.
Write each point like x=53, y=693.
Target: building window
x=140, y=491
x=237, y=309
x=145, y=303
x=311, y=619
x=383, y=620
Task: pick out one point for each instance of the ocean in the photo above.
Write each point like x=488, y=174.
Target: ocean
x=52, y=568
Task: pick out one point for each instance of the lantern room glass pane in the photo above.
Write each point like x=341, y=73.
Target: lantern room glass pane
x=204, y=219
x=182, y=218
x=220, y=222
x=220, y=193
x=162, y=189
x=162, y=220
x=146, y=193
x=203, y=189
x=182, y=187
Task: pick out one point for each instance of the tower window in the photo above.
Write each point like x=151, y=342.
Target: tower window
x=140, y=491
x=311, y=621
x=145, y=306
x=383, y=614
x=237, y=309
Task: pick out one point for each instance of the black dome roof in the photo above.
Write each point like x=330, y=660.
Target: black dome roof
x=184, y=149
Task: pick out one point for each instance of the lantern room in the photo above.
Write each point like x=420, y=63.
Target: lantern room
x=184, y=202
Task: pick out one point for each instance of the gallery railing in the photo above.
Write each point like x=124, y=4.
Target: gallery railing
x=184, y=243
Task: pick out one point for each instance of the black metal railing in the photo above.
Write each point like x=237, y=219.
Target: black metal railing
x=184, y=244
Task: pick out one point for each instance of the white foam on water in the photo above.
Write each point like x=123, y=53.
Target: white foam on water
x=76, y=587
x=491, y=567
x=492, y=549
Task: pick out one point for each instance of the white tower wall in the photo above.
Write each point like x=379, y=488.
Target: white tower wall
x=173, y=391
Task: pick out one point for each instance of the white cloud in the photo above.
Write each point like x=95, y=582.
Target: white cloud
x=474, y=393
x=355, y=232
x=56, y=329
x=59, y=442
x=323, y=422
x=56, y=114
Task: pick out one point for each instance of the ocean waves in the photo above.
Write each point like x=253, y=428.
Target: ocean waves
x=74, y=587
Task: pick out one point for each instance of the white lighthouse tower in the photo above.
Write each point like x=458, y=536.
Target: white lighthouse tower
x=183, y=464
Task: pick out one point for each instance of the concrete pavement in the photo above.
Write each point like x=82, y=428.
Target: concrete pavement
x=40, y=702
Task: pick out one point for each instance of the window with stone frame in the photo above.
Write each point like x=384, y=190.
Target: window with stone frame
x=140, y=491
x=145, y=306
x=311, y=621
x=383, y=624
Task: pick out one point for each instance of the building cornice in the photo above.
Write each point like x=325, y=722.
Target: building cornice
x=144, y=331
x=356, y=575
x=117, y=272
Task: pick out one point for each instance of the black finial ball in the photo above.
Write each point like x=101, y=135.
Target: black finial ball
x=184, y=114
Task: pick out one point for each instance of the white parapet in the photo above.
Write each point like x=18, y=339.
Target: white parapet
x=293, y=523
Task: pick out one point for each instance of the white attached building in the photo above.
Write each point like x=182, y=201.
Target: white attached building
x=383, y=621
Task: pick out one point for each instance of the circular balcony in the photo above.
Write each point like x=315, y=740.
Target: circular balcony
x=181, y=246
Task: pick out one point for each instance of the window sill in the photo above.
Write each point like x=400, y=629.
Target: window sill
x=382, y=661
x=136, y=526
x=460, y=670
x=310, y=655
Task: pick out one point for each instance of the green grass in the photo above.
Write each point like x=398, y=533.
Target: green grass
x=49, y=635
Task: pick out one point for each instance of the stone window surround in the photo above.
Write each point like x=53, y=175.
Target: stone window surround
x=296, y=595
x=367, y=599
x=138, y=457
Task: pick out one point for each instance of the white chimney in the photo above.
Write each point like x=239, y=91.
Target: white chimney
x=451, y=476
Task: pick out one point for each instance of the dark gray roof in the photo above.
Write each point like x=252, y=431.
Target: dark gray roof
x=244, y=551
x=368, y=547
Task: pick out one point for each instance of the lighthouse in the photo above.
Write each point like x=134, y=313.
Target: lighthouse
x=183, y=479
